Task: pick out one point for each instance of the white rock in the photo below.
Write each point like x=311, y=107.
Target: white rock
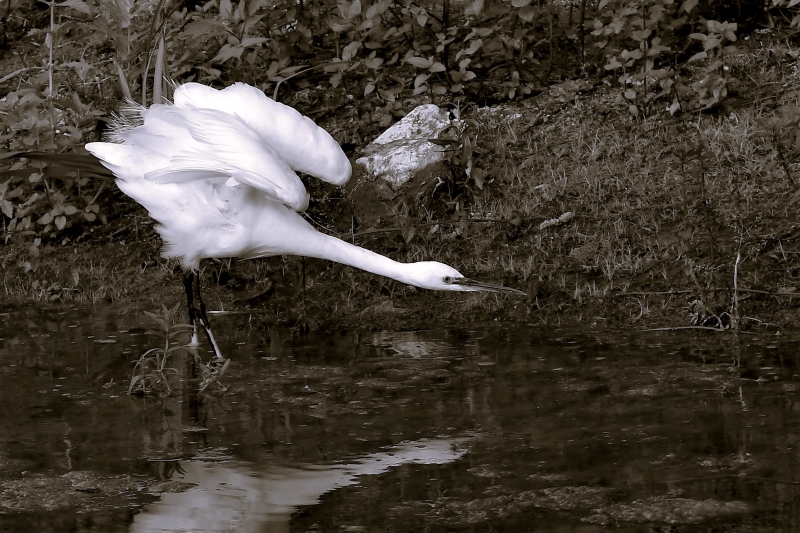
x=403, y=150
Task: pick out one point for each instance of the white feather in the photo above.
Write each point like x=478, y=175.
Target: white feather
x=281, y=127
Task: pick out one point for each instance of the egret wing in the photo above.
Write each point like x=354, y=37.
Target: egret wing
x=126, y=161
x=302, y=144
x=179, y=174
x=204, y=144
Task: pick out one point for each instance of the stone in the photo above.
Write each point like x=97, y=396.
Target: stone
x=403, y=150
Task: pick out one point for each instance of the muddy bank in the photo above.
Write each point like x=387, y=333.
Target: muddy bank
x=131, y=274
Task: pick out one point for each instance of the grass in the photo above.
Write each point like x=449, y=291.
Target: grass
x=644, y=219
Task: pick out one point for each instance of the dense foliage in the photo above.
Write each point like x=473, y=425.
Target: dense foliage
x=321, y=55
x=673, y=148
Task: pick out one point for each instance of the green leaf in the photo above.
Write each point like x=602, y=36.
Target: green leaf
x=477, y=7
x=80, y=67
x=134, y=381
x=160, y=321
x=355, y=9
x=408, y=232
x=225, y=9
x=350, y=50
x=7, y=208
x=474, y=46
x=699, y=55
x=248, y=42
x=520, y=3
x=420, y=62
x=79, y=5
x=479, y=176
x=339, y=28
x=239, y=14
x=689, y=5
x=677, y=23
x=376, y=9
x=254, y=6
x=527, y=13
x=227, y=52
x=466, y=155
x=656, y=49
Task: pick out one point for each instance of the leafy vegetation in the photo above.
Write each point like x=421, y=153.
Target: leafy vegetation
x=668, y=129
x=151, y=372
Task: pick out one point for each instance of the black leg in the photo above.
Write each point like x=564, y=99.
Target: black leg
x=188, y=286
x=303, y=262
x=203, y=318
x=191, y=284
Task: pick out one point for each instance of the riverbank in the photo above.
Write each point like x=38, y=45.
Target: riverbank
x=599, y=216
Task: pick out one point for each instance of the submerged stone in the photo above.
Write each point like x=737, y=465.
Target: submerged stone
x=84, y=490
x=668, y=510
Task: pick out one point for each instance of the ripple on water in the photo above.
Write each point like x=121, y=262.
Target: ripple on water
x=435, y=430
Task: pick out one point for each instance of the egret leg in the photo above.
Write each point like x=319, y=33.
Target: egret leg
x=188, y=283
x=191, y=283
x=305, y=317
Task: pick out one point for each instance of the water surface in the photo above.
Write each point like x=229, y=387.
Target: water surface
x=495, y=427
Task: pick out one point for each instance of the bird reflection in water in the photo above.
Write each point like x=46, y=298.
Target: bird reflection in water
x=233, y=496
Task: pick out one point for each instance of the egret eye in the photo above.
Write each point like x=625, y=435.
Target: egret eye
x=447, y=279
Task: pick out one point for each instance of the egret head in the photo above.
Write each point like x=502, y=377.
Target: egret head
x=441, y=277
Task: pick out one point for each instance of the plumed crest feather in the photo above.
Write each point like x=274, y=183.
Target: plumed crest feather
x=128, y=118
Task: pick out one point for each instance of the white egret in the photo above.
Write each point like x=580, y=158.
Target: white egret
x=216, y=170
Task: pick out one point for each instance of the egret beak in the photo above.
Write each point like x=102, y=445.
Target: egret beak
x=481, y=286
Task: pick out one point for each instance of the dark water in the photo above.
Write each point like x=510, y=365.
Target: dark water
x=487, y=428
